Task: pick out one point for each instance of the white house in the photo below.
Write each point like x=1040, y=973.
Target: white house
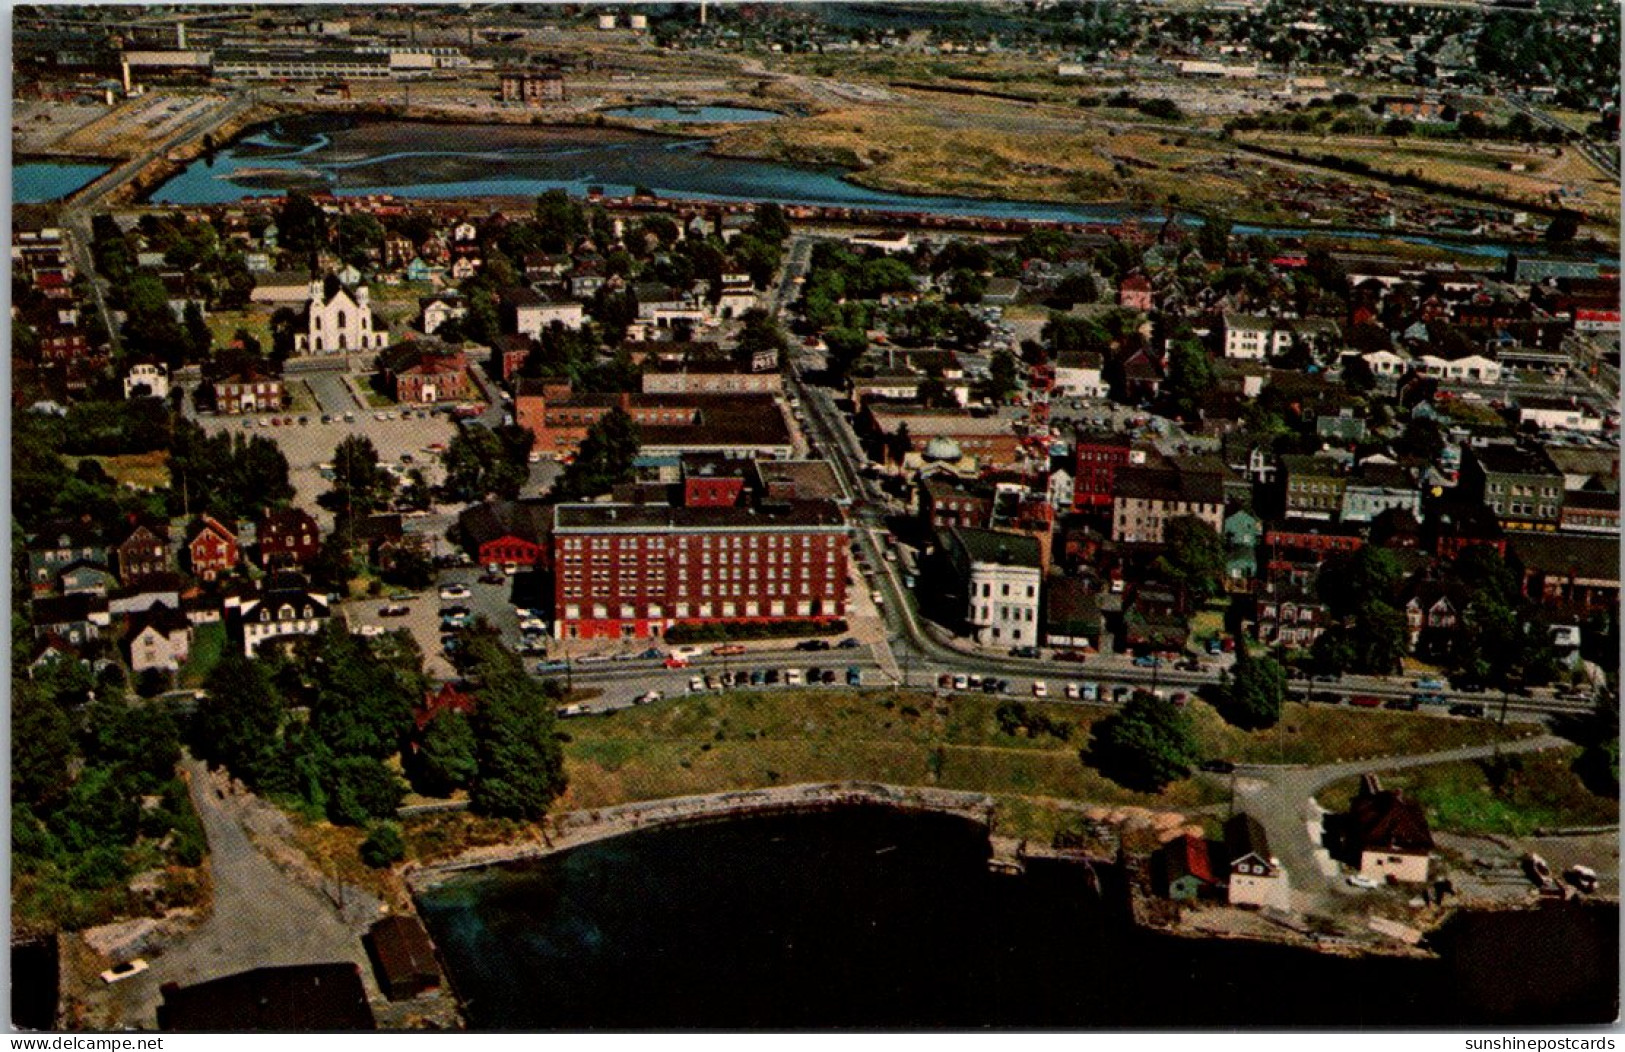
x=885, y=240
x=437, y=310
x=1257, y=877
x=1470, y=368
x=1387, y=363
x=534, y=313
x=338, y=320
x=286, y=607
x=1390, y=833
x=738, y=296
x=1077, y=375
x=1557, y=414
x=1002, y=576
x=1247, y=336
x=159, y=638
x=147, y=379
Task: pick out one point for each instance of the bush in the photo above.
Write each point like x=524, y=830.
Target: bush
x=384, y=846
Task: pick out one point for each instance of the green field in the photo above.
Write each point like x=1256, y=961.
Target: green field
x=1528, y=792
x=208, y=644
x=720, y=742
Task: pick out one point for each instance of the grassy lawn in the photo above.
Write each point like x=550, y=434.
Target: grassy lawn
x=1540, y=790
x=223, y=325
x=302, y=400
x=1326, y=734
x=376, y=399
x=140, y=470
x=208, y=644
x=714, y=743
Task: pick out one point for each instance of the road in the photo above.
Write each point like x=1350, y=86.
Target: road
x=1281, y=799
x=261, y=917
x=1605, y=158
x=75, y=217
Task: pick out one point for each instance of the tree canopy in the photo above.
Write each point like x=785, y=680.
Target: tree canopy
x=1145, y=745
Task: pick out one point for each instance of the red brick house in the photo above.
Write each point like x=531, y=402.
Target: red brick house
x=288, y=537
x=212, y=549
x=1134, y=292
x=249, y=392
x=434, y=377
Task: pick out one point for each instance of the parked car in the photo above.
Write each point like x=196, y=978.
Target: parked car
x=826, y=676
x=1088, y=692
x=848, y=644
x=854, y=676
x=1218, y=766
x=371, y=631
x=676, y=662
x=961, y=682
x=1431, y=686
x=792, y=677
x=945, y=681
x=813, y=644
x=1402, y=704
x=1040, y=689
x=1355, y=880
x=727, y=650
x=1145, y=661
x=1024, y=652
x=771, y=677
x=757, y=677
x=652, y=654
x=455, y=591
x=395, y=610
x=1071, y=691
x=1069, y=655
x=546, y=667
x=493, y=577
x=1365, y=701
x=1472, y=709
x=120, y=972
x=695, y=684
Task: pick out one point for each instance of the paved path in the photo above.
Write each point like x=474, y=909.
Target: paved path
x=260, y=917
x=1281, y=798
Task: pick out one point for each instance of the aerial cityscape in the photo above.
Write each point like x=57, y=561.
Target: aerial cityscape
x=802, y=515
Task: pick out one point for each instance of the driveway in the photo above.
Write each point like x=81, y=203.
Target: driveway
x=260, y=917
x=1282, y=799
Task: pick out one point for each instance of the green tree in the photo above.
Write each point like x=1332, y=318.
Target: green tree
x=477, y=465
x=360, y=706
x=966, y=286
x=1565, y=225
x=448, y=757
x=41, y=745
x=1381, y=638
x=560, y=222
x=360, y=485
x=845, y=347
x=301, y=224
x=770, y=222
x=1145, y=745
x=1193, y=557
x=1257, y=687
x=1190, y=377
x=357, y=237
x=239, y=718
x=1003, y=376
x=604, y=459
x=1348, y=583
x=384, y=845
x=1213, y=239
x=362, y=788
x=1331, y=653
x=520, y=766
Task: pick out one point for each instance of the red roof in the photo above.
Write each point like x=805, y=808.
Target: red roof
x=447, y=699
x=1189, y=854
x=1596, y=315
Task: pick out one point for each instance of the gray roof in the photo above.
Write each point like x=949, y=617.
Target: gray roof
x=769, y=516
x=993, y=546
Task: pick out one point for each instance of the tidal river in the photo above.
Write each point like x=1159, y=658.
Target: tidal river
x=864, y=918
x=416, y=159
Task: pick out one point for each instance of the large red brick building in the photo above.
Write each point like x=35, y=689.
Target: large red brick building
x=632, y=571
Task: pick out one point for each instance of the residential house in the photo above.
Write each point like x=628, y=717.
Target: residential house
x=249, y=392
x=1155, y=617
x=212, y=549
x=146, y=380
x=435, y=311
x=76, y=619
x=1389, y=834
x=1590, y=511
x=1375, y=488
x=1098, y=456
x=1256, y=876
x=287, y=537
x=1186, y=867
x=87, y=578
x=1432, y=610
x=158, y=638
x=1573, y=574
x=948, y=501
x=1289, y=614
x=60, y=544
x=1248, y=336
x=284, y=607
x=1242, y=532
x=280, y=288
x=143, y=550
x=1558, y=414
x=1144, y=499
x=1134, y=292
x=529, y=313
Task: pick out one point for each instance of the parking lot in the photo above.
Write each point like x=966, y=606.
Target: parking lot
x=310, y=445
